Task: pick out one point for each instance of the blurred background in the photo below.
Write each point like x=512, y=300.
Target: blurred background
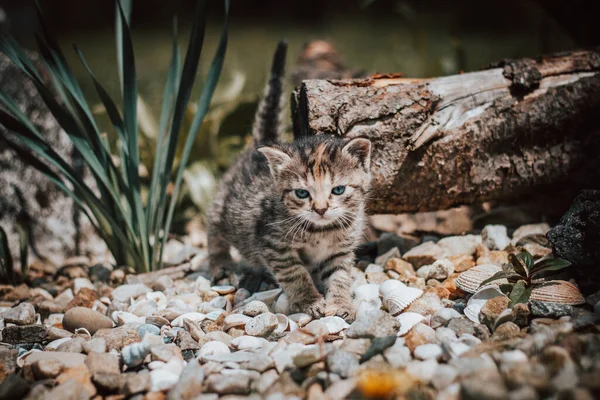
x=416, y=38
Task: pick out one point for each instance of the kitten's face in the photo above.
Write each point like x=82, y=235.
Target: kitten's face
x=322, y=180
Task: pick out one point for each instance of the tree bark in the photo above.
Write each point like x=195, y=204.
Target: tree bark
x=521, y=127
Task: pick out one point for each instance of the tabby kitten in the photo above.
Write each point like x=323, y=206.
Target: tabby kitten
x=296, y=210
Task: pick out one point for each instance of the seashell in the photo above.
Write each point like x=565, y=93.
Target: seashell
x=282, y=323
x=292, y=325
x=192, y=316
x=53, y=345
x=205, y=308
x=282, y=305
x=194, y=329
x=471, y=279
x=241, y=295
x=135, y=353
x=213, y=348
x=219, y=302
x=157, y=321
x=165, y=378
x=123, y=317
x=213, y=315
x=249, y=342
x=557, y=292
x=100, y=307
x=159, y=298
x=477, y=301
x=235, y=321
x=223, y=289
x=389, y=286
x=300, y=319
x=399, y=296
x=82, y=331
x=334, y=324
x=408, y=320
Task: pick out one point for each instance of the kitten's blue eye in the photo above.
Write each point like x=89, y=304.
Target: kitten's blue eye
x=301, y=193
x=338, y=190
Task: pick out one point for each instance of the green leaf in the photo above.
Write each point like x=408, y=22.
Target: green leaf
x=520, y=293
x=506, y=288
x=210, y=85
x=6, y=262
x=499, y=275
x=549, y=264
x=527, y=258
x=518, y=264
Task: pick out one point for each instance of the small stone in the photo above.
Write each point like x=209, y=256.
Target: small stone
x=440, y=270
x=462, y=262
x=119, y=337
x=383, y=259
x=494, y=257
x=132, y=383
x=237, y=383
x=428, y=351
x=262, y=325
x=310, y=354
x=356, y=346
x=67, y=359
x=550, y=310
x=14, y=387
x=85, y=297
x=254, y=308
x=376, y=277
x=79, y=374
x=445, y=335
x=97, y=345
x=495, y=237
x=16, y=334
x=69, y=389
x=23, y=314
x=403, y=268
x=528, y=230
x=398, y=355
x=443, y=376
x=82, y=317
x=484, y=385
x=427, y=304
x=126, y=292
x=461, y=325
x=148, y=329
x=190, y=383
x=373, y=323
x=266, y=381
x=378, y=345
x=223, y=289
x=80, y=283
x=443, y=316
x=47, y=369
x=8, y=361
x=424, y=254
x=507, y=330
x=102, y=363
x=521, y=314
x=373, y=268
x=457, y=245
x=213, y=348
x=74, y=345
x=343, y=363
x=165, y=352
x=492, y=309
x=419, y=335
x=422, y=370
x=99, y=273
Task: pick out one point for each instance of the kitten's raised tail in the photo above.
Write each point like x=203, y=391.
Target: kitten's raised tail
x=267, y=121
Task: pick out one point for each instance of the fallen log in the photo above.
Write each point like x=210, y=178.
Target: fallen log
x=521, y=127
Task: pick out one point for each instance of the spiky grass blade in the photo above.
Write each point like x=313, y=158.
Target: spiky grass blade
x=210, y=85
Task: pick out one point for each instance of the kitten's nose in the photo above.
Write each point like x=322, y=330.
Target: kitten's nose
x=320, y=211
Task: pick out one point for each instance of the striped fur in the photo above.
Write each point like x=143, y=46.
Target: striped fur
x=257, y=211
x=267, y=121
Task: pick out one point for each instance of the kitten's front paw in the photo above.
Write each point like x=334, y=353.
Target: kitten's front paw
x=344, y=310
x=314, y=307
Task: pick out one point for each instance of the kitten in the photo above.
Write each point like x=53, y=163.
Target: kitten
x=296, y=210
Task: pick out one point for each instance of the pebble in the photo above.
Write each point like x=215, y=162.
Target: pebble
x=445, y=335
x=151, y=329
x=428, y=351
x=80, y=283
x=16, y=334
x=126, y=292
x=458, y=245
x=440, y=270
x=165, y=352
x=443, y=376
x=224, y=289
x=74, y=345
x=398, y=355
x=424, y=254
x=492, y=309
x=119, y=337
x=213, y=348
x=69, y=360
x=427, y=304
x=442, y=316
x=495, y=237
x=102, y=363
x=261, y=325
x=343, y=363
x=373, y=323
x=254, y=308
x=404, y=269
x=47, y=369
x=461, y=325
x=97, y=345
x=422, y=370
x=81, y=317
x=236, y=382
x=550, y=310
x=23, y=314
x=419, y=335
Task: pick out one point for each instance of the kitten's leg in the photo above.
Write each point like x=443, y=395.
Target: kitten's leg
x=297, y=284
x=335, y=274
x=221, y=263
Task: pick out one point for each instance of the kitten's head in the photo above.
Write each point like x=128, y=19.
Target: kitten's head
x=322, y=179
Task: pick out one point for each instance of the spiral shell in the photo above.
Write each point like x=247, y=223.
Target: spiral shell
x=471, y=279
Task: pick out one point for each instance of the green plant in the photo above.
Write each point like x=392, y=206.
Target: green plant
x=523, y=274
x=135, y=233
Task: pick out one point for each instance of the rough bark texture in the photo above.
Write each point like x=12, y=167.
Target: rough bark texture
x=519, y=128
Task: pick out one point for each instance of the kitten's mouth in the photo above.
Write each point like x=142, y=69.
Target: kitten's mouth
x=321, y=220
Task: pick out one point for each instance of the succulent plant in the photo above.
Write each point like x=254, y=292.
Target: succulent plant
x=524, y=274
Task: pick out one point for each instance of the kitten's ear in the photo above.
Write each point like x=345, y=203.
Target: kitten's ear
x=277, y=158
x=361, y=149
